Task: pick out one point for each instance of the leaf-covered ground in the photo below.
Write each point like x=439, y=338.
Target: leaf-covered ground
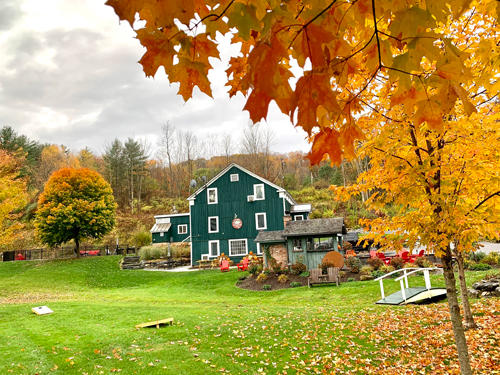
x=220, y=328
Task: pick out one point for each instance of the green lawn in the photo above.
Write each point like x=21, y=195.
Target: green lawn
x=218, y=327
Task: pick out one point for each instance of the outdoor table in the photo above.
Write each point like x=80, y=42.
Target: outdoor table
x=204, y=263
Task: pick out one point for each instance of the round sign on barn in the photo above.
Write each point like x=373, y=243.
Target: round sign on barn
x=237, y=223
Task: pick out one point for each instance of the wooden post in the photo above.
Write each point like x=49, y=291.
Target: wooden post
x=427, y=279
x=382, y=288
x=403, y=292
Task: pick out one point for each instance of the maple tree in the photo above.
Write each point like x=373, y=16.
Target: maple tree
x=75, y=204
x=13, y=197
x=429, y=60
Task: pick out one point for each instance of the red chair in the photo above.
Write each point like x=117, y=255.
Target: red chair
x=20, y=256
x=407, y=257
x=224, y=266
x=383, y=258
x=243, y=265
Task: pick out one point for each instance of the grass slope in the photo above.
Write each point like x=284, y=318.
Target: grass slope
x=218, y=327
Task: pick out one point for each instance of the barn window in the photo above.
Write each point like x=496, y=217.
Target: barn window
x=235, y=177
x=258, y=192
x=212, y=195
x=182, y=229
x=260, y=220
x=213, y=248
x=213, y=224
x=237, y=247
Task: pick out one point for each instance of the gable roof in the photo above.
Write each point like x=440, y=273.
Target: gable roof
x=314, y=227
x=288, y=197
x=270, y=236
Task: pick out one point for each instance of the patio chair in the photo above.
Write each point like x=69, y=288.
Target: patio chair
x=224, y=266
x=405, y=255
x=383, y=258
x=313, y=278
x=333, y=275
x=243, y=265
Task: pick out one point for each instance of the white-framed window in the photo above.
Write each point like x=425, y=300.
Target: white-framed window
x=260, y=220
x=297, y=244
x=299, y=217
x=258, y=192
x=161, y=234
x=213, y=224
x=238, y=247
x=212, y=196
x=213, y=248
x=259, y=250
x=235, y=177
x=182, y=229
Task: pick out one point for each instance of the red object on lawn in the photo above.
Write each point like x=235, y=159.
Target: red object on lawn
x=20, y=256
x=384, y=259
x=407, y=257
x=224, y=266
x=243, y=265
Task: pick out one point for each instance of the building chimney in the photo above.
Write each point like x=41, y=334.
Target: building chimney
x=286, y=219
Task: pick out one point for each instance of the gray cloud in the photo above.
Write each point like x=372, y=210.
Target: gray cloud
x=82, y=87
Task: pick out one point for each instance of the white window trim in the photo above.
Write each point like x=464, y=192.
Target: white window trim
x=257, y=221
x=217, y=221
x=161, y=234
x=234, y=177
x=238, y=239
x=255, y=192
x=259, y=250
x=180, y=227
x=216, y=196
x=210, y=248
x=296, y=216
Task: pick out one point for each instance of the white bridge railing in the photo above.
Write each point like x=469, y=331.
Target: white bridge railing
x=403, y=279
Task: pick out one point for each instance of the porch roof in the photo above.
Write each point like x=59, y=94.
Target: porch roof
x=158, y=228
x=314, y=227
x=275, y=236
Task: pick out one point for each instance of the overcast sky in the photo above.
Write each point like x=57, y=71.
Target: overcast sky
x=69, y=75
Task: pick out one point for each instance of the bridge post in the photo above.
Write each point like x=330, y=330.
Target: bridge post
x=381, y=282
x=427, y=279
x=403, y=292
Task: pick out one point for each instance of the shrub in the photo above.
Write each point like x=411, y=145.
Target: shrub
x=376, y=263
x=298, y=268
x=342, y=274
x=254, y=269
x=366, y=270
x=180, y=250
x=295, y=284
x=397, y=262
x=346, y=245
x=476, y=256
x=366, y=277
x=275, y=266
x=267, y=272
x=241, y=278
x=262, y=277
x=479, y=267
x=304, y=274
x=491, y=259
x=282, y=279
x=153, y=252
x=386, y=268
x=141, y=238
x=423, y=262
x=353, y=263
x=266, y=287
x=325, y=265
x=350, y=279
x=377, y=273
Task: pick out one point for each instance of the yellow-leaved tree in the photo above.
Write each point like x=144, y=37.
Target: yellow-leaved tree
x=416, y=64
x=13, y=197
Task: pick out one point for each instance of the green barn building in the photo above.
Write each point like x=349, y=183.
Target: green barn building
x=226, y=214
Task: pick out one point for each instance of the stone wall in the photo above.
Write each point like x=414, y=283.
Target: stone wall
x=279, y=253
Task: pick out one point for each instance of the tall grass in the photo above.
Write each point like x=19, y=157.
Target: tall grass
x=177, y=250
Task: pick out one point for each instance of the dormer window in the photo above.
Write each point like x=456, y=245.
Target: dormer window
x=258, y=192
x=212, y=196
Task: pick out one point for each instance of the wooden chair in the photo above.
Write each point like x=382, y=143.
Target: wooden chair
x=313, y=278
x=333, y=275
x=243, y=265
x=224, y=266
x=383, y=258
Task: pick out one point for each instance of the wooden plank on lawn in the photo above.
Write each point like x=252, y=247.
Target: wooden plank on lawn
x=157, y=323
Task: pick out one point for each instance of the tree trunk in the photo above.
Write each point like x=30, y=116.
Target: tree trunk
x=469, y=319
x=77, y=247
x=456, y=319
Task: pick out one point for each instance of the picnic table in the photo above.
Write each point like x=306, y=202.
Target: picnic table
x=204, y=263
